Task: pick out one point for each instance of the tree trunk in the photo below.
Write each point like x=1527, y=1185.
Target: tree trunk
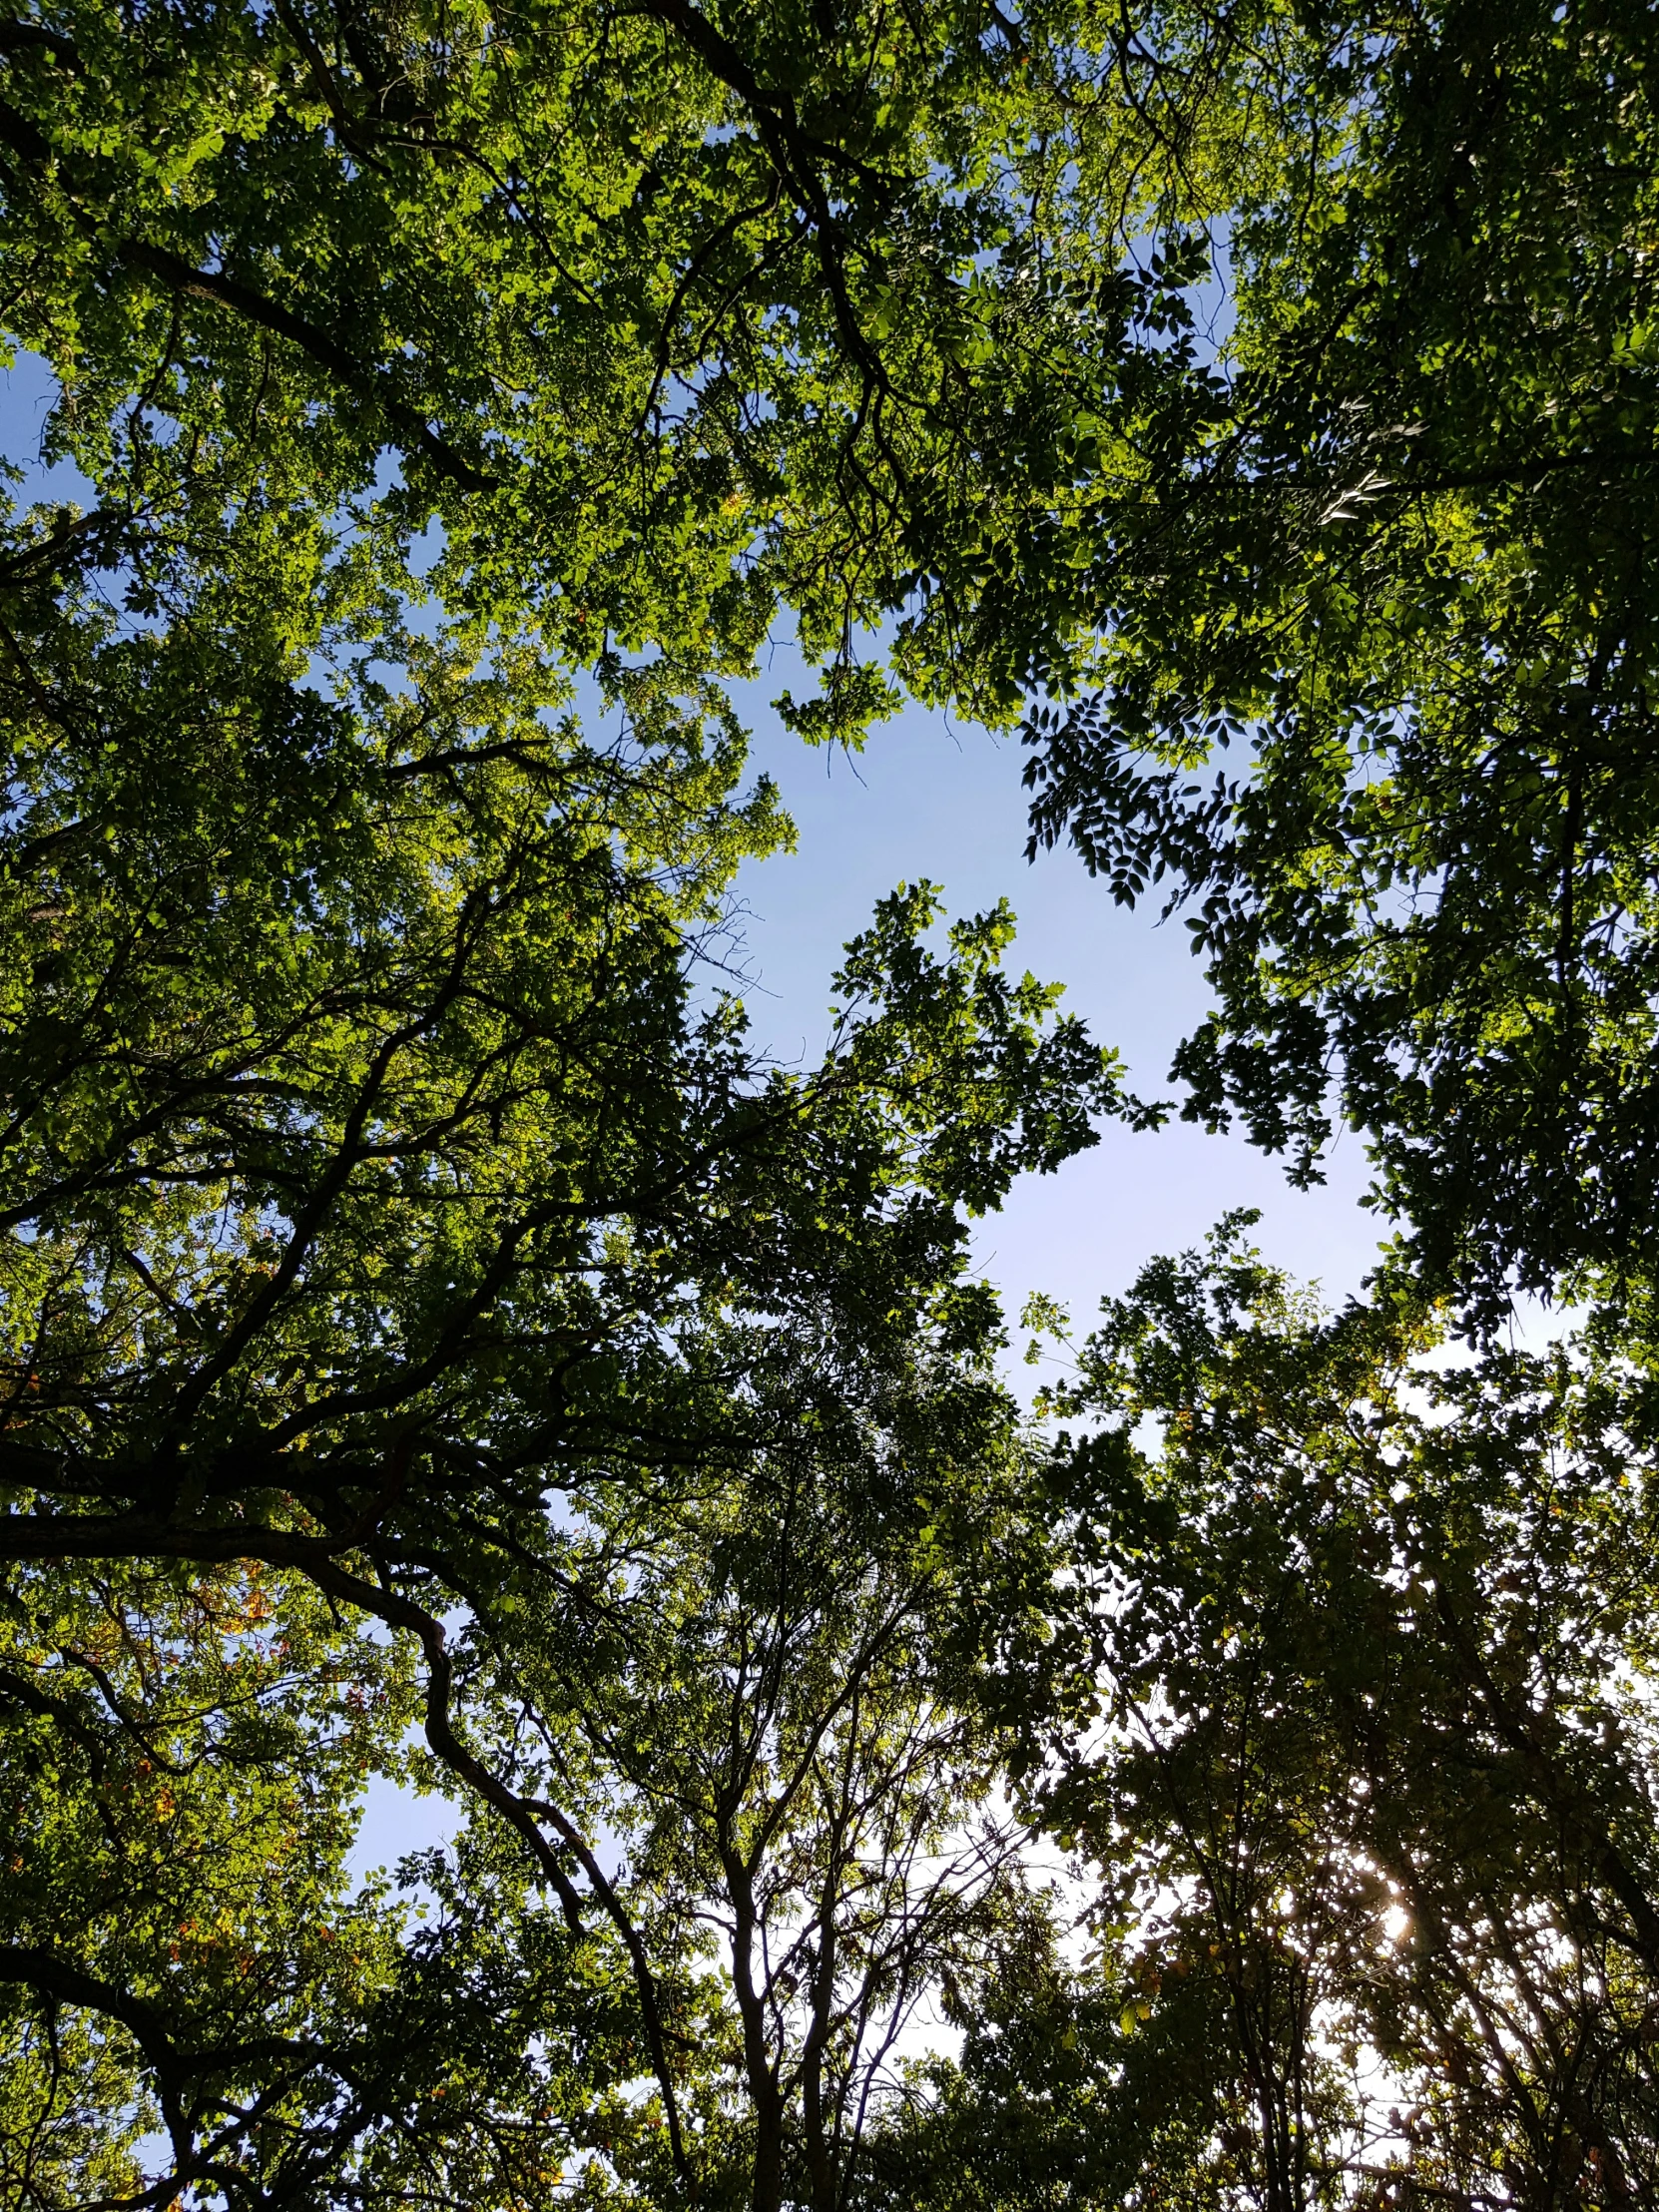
x=766, y=2185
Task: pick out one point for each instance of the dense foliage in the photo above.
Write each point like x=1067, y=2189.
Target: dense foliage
x=1379, y=650
x=642, y=322
x=439, y=1353
x=1353, y=1714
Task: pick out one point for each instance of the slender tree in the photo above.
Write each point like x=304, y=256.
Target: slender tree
x=767, y=1697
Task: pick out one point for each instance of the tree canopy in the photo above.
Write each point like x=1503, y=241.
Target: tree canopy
x=440, y=1352
x=1377, y=652
x=1350, y=1714
x=644, y=325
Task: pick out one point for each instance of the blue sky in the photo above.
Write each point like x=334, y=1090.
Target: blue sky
x=933, y=798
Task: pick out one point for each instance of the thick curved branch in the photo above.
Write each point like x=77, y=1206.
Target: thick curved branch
x=795, y=155
x=172, y=2065
x=58, y=1536
x=644, y=1980
x=180, y=277
x=34, y=562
